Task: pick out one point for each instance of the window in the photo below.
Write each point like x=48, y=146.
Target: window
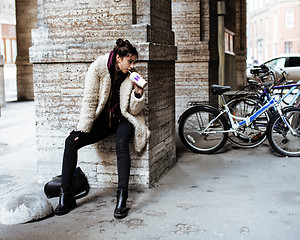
x=289, y=18
x=9, y=43
x=275, y=48
x=9, y=49
x=255, y=5
x=267, y=30
x=293, y=62
x=288, y=47
x=229, y=44
x=276, y=63
x=260, y=44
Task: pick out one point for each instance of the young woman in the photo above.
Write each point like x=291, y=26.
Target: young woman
x=111, y=103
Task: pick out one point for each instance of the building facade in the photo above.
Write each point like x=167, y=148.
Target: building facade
x=273, y=28
x=8, y=51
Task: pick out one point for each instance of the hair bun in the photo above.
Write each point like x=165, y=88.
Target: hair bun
x=120, y=42
x=123, y=48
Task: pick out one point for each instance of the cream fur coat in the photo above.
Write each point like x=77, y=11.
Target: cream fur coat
x=96, y=93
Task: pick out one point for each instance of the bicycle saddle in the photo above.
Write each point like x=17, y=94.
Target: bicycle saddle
x=258, y=70
x=218, y=90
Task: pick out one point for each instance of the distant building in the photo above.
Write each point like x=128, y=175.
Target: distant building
x=8, y=30
x=273, y=28
x=8, y=43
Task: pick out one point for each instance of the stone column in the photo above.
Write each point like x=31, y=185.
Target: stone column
x=70, y=35
x=26, y=16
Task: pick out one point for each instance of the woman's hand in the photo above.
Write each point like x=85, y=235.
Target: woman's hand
x=137, y=90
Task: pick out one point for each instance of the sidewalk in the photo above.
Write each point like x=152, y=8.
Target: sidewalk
x=235, y=194
x=17, y=147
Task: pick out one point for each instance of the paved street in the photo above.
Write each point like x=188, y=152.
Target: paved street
x=235, y=194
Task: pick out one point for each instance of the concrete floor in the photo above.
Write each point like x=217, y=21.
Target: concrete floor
x=235, y=194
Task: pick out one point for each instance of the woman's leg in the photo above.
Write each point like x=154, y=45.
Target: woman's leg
x=77, y=140
x=125, y=132
x=72, y=145
x=74, y=142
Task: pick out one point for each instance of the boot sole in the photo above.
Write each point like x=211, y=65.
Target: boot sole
x=65, y=211
x=120, y=215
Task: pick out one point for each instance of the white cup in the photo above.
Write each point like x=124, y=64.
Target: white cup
x=138, y=79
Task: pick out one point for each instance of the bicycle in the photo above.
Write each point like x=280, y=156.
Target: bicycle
x=246, y=101
x=276, y=81
x=251, y=102
x=205, y=129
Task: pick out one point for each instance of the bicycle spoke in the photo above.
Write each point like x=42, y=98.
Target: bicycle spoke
x=201, y=132
x=254, y=134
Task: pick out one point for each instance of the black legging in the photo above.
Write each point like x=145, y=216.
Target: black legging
x=100, y=130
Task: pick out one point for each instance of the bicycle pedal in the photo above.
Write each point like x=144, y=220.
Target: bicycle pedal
x=256, y=136
x=285, y=141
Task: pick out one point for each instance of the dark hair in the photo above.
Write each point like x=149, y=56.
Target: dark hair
x=123, y=48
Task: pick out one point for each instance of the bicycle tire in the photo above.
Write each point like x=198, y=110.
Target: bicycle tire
x=255, y=134
x=195, y=119
x=280, y=137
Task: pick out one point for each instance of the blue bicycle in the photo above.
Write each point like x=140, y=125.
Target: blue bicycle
x=205, y=129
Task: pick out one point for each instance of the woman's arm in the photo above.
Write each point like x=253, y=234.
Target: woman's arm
x=90, y=99
x=137, y=100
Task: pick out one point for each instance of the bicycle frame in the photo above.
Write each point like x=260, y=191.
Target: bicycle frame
x=266, y=93
x=293, y=87
x=245, y=121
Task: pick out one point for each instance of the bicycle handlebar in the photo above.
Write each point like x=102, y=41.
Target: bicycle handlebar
x=259, y=69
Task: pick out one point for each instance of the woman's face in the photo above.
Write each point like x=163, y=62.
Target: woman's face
x=125, y=64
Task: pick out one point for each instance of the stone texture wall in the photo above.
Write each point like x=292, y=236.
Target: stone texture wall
x=241, y=42
x=26, y=16
x=70, y=35
x=194, y=25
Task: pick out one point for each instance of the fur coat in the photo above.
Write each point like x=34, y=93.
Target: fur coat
x=96, y=93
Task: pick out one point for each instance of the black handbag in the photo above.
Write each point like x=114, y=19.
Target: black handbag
x=80, y=186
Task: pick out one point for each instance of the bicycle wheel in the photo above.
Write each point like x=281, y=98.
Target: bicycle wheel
x=254, y=134
x=280, y=137
x=192, y=134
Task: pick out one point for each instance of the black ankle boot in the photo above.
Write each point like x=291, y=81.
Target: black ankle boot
x=67, y=202
x=121, y=211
